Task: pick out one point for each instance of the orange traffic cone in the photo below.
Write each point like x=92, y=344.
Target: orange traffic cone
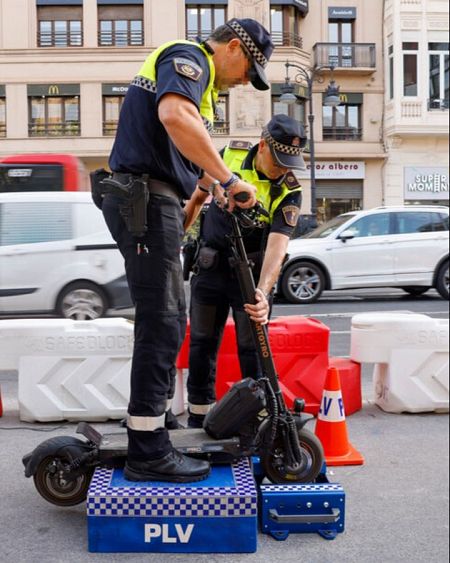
x=331, y=428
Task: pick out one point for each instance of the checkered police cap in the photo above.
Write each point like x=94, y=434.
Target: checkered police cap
x=286, y=138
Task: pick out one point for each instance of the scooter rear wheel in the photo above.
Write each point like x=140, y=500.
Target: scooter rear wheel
x=274, y=461
x=56, y=487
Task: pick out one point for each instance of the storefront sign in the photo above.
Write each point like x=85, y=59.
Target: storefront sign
x=115, y=89
x=350, y=98
x=426, y=183
x=344, y=170
x=338, y=13
x=53, y=89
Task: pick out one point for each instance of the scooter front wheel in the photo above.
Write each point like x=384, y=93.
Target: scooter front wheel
x=275, y=465
x=58, y=486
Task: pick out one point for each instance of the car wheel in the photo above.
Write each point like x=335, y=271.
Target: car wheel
x=81, y=301
x=442, y=281
x=302, y=282
x=415, y=291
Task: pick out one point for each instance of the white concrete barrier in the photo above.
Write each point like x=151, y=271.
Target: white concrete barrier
x=411, y=356
x=72, y=370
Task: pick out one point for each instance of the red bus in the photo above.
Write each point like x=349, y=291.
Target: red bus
x=43, y=173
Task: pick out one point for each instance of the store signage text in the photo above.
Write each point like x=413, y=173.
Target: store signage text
x=342, y=169
x=426, y=183
x=342, y=13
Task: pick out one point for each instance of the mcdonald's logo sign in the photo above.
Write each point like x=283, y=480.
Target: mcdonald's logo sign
x=343, y=98
x=53, y=90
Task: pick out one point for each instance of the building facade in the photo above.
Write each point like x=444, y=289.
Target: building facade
x=416, y=128
x=65, y=66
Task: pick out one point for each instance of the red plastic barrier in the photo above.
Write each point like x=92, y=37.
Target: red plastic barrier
x=300, y=351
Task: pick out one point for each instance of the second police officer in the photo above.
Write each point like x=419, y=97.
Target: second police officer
x=215, y=288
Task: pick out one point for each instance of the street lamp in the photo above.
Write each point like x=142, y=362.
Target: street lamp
x=308, y=76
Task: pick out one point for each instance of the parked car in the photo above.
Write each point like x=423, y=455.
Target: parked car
x=405, y=247
x=57, y=257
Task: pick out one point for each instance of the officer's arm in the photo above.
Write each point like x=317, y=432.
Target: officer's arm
x=184, y=126
x=193, y=207
x=277, y=244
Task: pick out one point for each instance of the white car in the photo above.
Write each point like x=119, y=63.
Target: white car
x=405, y=247
x=57, y=257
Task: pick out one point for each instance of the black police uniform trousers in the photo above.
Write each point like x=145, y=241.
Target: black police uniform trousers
x=213, y=292
x=154, y=275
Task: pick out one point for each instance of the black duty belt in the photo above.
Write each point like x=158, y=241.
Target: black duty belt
x=155, y=187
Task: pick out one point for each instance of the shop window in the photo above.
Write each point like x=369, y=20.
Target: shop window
x=120, y=26
x=54, y=116
x=203, y=19
x=222, y=117
x=342, y=123
x=111, y=110
x=410, y=69
x=438, y=76
x=60, y=26
x=2, y=117
x=285, y=26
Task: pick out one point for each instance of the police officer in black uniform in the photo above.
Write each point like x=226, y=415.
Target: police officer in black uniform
x=163, y=141
x=214, y=287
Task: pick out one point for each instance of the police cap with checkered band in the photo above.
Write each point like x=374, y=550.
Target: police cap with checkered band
x=286, y=138
x=258, y=45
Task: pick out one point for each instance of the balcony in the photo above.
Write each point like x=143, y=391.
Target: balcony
x=69, y=129
x=109, y=128
x=286, y=39
x=354, y=57
x=342, y=134
x=120, y=38
x=438, y=104
x=221, y=128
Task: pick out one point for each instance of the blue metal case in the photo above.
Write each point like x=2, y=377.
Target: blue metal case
x=217, y=515
x=302, y=508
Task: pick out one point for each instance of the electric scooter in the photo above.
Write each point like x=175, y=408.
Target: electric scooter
x=252, y=419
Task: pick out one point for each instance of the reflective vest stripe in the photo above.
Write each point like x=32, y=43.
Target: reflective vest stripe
x=146, y=423
x=210, y=96
x=200, y=409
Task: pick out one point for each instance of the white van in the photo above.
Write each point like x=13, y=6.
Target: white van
x=57, y=257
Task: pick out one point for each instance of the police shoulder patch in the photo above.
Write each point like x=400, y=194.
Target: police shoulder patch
x=291, y=181
x=188, y=68
x=240, y=145
x=290, y=214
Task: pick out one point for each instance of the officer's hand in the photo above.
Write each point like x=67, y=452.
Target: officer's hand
x=240, y=187
x=220, y=197
x=258, y=313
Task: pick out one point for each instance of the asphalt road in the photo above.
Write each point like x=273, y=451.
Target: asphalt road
x=396, y=503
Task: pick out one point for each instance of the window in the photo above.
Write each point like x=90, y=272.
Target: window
x=222, y=117
x=410, y=69
x=372, y=225
x=341, y=32
x=31, y=222
x=342, y=123
x=2, y=117
x=419, y=222
x=54, y=116
x=296, y=111
x=439, y=75
x=202, y=19
x=60, y=26
x=285, y=26
x=391, y=72
x=120, y=26
x=111, y=110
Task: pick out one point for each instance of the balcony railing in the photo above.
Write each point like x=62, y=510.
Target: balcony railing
x=109, y=128
x=438, y=104
x=69, y=129
x=342, y=134
x=2, y=129
x=286, y=39
x=120, y=38
x=60, y=39
x=221, y=128
x=345, y=55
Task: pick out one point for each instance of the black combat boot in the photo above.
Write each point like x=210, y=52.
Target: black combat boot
x=195, y=420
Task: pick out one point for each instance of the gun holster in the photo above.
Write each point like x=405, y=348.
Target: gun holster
x=208, y=258
x=135, y=196
x=97, y=189
x=190, y=254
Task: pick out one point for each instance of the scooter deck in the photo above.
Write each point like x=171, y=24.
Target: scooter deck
x=192, y=442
